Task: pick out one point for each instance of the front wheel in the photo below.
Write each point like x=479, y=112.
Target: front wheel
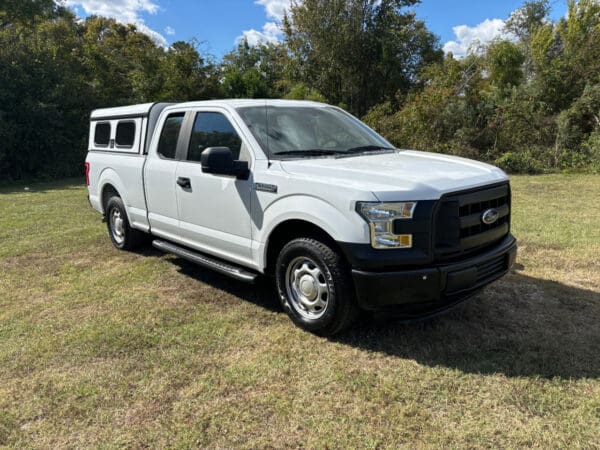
x=315, y=287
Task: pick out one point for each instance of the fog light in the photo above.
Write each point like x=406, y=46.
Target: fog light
x=393, y=241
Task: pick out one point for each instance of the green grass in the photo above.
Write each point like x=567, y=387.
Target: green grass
x=107, y=349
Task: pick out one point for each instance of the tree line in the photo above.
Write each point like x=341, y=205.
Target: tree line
x=529, y=102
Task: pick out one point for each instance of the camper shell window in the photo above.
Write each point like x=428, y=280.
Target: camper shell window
x=102, y=134
x=125, y=136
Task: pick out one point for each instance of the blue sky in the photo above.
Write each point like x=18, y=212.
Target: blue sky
x=219, y=23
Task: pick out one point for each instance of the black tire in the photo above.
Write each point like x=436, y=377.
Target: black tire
x=122, y=236
x=315, y=265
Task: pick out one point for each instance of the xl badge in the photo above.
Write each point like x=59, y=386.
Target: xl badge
x=490, y=216
x=272, y=188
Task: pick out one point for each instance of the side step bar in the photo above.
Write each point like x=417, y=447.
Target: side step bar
x=206, y=261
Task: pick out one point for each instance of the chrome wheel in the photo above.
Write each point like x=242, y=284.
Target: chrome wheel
x=307, y=288
x=117, y=226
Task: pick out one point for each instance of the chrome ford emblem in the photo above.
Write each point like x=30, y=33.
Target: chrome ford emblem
x=489, y=216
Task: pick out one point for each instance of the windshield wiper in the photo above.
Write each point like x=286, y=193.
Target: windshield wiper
x=309, y=152
x=367, y=148
x=339, y=153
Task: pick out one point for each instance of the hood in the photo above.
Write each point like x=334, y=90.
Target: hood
x=404, y=175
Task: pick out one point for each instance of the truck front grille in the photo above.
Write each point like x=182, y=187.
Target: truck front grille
x=459, y=227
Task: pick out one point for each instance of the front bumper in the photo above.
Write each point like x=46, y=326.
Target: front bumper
x=431, y=289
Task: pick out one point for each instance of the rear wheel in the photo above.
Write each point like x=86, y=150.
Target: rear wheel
x=315, y=287
x=121, y=234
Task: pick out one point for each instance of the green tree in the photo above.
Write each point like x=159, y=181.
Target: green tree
x=358, y=52
x=504, y=61
x=575, y=127
x=107, y=62
x=301, y=91
x=25, y=11
x=185, y=74
x=566, y=55
x=255, y=71
x=525, y=21
x=44, y=94
x=530, y=103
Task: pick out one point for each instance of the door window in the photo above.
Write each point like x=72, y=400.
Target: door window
x=212, y=129
x=167, y=144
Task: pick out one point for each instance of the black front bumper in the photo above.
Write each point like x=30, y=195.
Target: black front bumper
x=431, y=289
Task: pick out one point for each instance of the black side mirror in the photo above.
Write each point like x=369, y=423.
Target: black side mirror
x=219, y=161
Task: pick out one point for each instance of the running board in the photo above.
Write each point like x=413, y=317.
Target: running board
x=206, y=261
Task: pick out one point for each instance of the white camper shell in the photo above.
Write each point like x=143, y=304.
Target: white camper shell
x=123, y=129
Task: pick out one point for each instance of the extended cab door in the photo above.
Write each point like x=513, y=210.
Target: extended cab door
x=159, y=176
x=214, y=210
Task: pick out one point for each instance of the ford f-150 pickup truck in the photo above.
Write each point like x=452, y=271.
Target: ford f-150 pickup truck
x=308, y=194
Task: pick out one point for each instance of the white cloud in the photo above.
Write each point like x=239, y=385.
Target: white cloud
x=124, y=11
x=467, y=36
x=271, y=31
x=275, y=9
x=170, y=31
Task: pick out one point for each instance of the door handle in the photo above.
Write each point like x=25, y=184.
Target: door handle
x=184, y=182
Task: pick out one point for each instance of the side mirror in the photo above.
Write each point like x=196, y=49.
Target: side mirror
x=219, y=161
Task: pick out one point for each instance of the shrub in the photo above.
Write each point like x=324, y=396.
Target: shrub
x=519, y=162
x=301, y=91
x=592, y=146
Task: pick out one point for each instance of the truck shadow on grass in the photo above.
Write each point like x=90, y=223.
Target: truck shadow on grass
x=518, y=326
x=262, y=293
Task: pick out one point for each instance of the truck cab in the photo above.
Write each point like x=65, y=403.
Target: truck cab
x=308, y=194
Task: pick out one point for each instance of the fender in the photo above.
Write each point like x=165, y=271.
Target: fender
x=325, y=215
x=110, y=176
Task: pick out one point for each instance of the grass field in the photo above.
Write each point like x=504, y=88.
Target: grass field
x=106, y=348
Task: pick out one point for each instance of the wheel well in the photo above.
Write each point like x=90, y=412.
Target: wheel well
x=108, y=191
x=291, y=229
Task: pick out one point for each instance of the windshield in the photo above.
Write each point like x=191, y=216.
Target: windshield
x=301, y=131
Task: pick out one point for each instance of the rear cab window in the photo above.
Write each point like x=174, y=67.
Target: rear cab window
x=169, y=136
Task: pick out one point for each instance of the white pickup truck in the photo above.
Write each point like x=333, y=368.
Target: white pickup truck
x=308, y=194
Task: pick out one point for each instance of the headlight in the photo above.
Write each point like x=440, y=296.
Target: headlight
x=381, y=217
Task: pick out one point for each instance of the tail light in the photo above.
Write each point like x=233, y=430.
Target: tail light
x=87, y=173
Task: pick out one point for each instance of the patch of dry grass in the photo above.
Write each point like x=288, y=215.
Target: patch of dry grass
x=106, y=348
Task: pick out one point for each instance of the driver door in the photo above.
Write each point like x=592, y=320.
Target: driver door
x=214, y=210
